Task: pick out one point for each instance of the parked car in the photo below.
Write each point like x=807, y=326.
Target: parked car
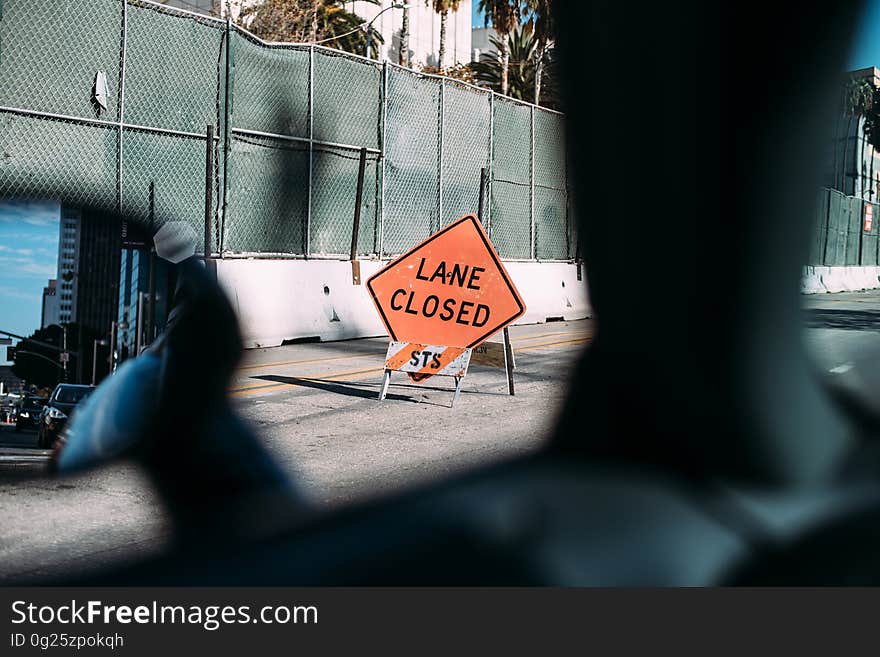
x=27, y=412
x=61, y=403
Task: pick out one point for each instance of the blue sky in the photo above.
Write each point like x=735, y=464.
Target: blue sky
x=477, y=15
x=866, y=49
x=28, y=258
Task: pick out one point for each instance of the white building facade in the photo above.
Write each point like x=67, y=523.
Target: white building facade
x=68, y=259
x=480, y=43
x=424, y=31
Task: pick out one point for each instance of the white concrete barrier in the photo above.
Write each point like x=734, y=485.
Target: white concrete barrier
x=278, y=300
x=818, y=279
x=811, y=283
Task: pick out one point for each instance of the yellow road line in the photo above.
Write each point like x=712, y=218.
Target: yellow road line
x=323, y=377
x=259, y=388
x=308, y=361
x=574, y=341
x=304, y=362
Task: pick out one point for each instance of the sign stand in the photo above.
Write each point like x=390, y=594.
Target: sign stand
x=451, y=289
x=508, y=350
x=508, y=362
x=386, y=381
x=458, y=381
x=420, y=361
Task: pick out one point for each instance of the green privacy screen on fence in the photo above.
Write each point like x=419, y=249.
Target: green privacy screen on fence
x=840, y=237
x=289, y=121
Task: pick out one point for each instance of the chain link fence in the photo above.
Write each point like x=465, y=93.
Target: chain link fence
x=100, y=99
x=846, y=231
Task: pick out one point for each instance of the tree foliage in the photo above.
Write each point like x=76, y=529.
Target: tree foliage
x=311, y=21
x=504, y=16
x=540, y=14
x=523, y=48
x=863, y=99
x=463, y=72
x=40, y=365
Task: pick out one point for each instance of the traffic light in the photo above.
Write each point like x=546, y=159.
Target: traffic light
x=10, y=353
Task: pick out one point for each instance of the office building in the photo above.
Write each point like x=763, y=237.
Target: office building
x=87, y=285
x=139, y=320
x=481, y=43
x=50, y=313
x=68, y=257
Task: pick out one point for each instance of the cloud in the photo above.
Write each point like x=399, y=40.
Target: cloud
x=17, y=293
x=24, y=252
x=44, y=237
x=34, y=213
x=20, y=267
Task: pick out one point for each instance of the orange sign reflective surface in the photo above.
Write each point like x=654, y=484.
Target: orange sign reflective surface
x=449, y=290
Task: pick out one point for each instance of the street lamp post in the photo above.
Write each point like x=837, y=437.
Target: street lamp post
x=64, y=355
x=114, y=328
x=373, y=20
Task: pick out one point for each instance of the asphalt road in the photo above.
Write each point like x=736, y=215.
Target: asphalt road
x=316, y=408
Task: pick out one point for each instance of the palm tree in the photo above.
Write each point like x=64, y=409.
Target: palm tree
x=442, y=7
x=542, y=18
x=403, y=56
x=858, y=97
x=504, y=16
x=314, y=10
x=521, y=45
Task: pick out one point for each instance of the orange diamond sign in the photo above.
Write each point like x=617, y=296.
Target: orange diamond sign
x=450, y=290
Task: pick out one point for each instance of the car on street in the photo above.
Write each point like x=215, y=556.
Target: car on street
x=27, y=412
x=54, y=416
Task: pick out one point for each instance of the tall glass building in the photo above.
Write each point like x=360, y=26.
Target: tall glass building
x=142, y=319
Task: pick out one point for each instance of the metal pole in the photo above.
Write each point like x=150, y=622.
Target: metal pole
x=458, y=381
x=121, y=109
x=386, y=380
x=827, y=228
x=508, y=350
x=380, y=247
x=151, y=301
x=38, y=342
x=66, y=355
x=227, y=129
x=369, y=40
x=112, y=347
x=533, y=229
x=508, y=361
x=491, y=157
x=209, y=190
x=94, y=360
x=481, y=202
x=139, y=325
x=440, y=155
x=358, y=200
x=307, y=232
